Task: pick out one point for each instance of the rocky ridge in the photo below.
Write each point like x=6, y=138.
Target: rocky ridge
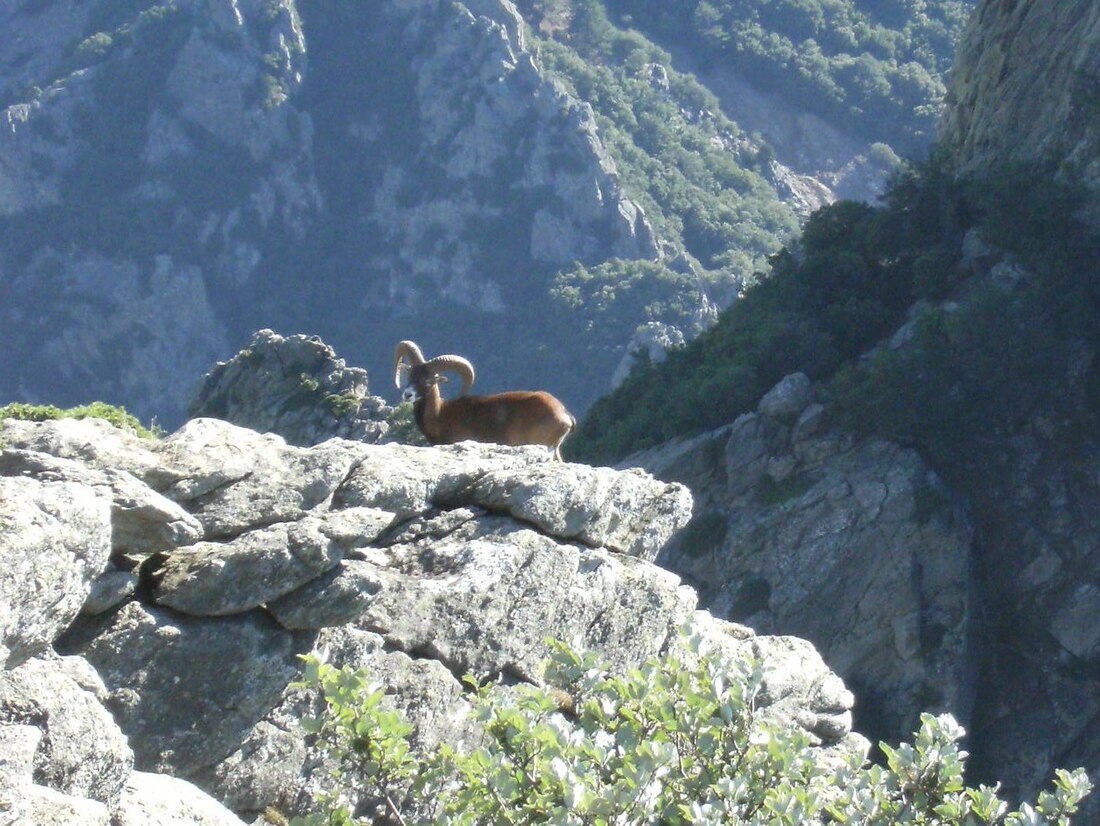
x=195, y=569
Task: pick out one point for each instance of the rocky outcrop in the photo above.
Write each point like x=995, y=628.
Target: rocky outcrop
x=421, y=564
x=295, y=387
x=856, y=546
x=1024, y=88
x=566, y=178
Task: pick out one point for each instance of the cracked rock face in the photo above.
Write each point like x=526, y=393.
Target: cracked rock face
x=855, y=546
x=420, y=564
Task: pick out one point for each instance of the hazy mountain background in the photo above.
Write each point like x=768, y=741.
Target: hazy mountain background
x=541, y=187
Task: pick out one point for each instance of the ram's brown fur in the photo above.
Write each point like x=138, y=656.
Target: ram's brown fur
x=519, y=417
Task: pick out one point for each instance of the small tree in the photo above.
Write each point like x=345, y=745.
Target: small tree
x=677, y=740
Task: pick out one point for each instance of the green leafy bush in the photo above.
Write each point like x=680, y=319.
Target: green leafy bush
x=96, y=410
x=678, y=740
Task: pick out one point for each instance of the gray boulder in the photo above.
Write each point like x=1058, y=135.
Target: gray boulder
x=162, y=800
x=233, y=479
x=81, y=752
x=142, y=521
x=44, y=806
x=186, y=689
x=589, y=504
x=212, y=578
x=93, y=443
x=410, y=480
x=113, y=587
x=55, y=540
x=484, y=598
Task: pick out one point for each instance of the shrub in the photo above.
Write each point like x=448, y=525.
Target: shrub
x=96, y=410
x=678, y=740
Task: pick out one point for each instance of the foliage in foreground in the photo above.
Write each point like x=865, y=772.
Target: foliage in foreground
x=114, y=414
x=676, y=741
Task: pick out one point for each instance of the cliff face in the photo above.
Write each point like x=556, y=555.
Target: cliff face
x=186, y=575
x=1025, y=88
x=856, y=546
x=975, y=594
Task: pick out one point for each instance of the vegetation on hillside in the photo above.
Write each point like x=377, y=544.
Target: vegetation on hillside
x=678, y=740
x=978, y=363
x=702, y=186
x=877, y=66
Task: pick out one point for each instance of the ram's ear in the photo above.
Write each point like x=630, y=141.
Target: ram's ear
x=441, y=379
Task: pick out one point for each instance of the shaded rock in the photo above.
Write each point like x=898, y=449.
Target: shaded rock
x=81, y=753
x=994, y=112
x=170, y=677
x=855, y=546
x=110, y=588
x=1076, y=625
x=788, y=398
x=295, y=387
x=55, y=539
x=275, y=766
x=339, y=597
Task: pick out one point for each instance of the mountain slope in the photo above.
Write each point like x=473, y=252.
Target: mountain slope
x=541, y=189
x=177, y=175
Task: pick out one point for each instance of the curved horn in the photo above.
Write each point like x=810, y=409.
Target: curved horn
x=409, y=350
x=455, y=364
